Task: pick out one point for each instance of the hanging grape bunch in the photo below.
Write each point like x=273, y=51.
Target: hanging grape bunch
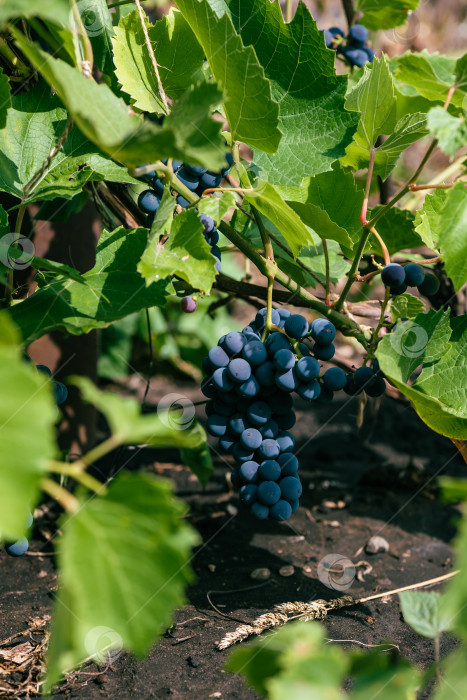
x=249, y=383
x=353, y=46
x=398, y=278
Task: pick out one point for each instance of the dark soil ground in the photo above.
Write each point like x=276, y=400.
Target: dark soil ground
x=380, y=479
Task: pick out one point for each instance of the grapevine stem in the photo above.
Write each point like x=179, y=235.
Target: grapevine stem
x=11, y=269
x=369, y=177
x=354, y=269
x=288, y=11
x=99, y=451
x=78, y=474
x=269, y=254
x=328, y=274
x=153, y=57
x=86, y=65
x=61, y=495
x=436, y=642
x=462, y=447
x=386, y=256
x=374, y=339
x=418, y=188
x=349, y=11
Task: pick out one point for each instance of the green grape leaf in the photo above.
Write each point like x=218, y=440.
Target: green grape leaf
x=123, y=560
x=385, y=14
x=442, y=222
x=217, y=207
x=35, y=122
x=450, y=131
x=423, y=612
x=97, y=23
x=185, y=254
x=26, y=401
x=396, y=228
x=250, y=109
x=377, y=675
x=330, y=204
x=5, y=98
x=407, y=131
x=439, y=345
x=406, y=306
x=268, y=201
x=58, y=11
x=373, y=97
x=452, y=489
x=178, y=54
x=113, y=289
x=316, y=128
x=129, y=139
x=432, y=76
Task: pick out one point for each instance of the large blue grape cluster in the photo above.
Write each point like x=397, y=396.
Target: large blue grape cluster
x=196, y=178
x=249, y=383
x=353, y=46
x=398, y=278
x=21, y=546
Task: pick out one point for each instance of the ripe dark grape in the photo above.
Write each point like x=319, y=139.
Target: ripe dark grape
x=218, y=357
x=362, y=377
x=393, y=275
x=296, y=326
x=414, y=275
x=282, y=510
x=396, y=291
x=233, y=343
x=44, y=370
x=289, y=462
x=188, y=178
x=429, y=286
x=260, y=511
x=277, y=341
x=269, y=449
x=238, y=423
x=217, y=425
x=17, y=549
x=227, y=443
x=249, y=472
x=148, y=202
x=291, y=488
x=251, y=439
x=255, y=352
x=334, y=379
x=249, y=388
x=323, y=331
x=284, y=360
x=309, y=391
x=287, y=381
x=324, y=352
x=265, y=374
x=188, y=305
x=209, y=180
x=60, y=392
x=260, y=318
x=239, y=370
x=248, y=493
x=259, y=413
x=376, y=387
x=222, y=380
x=222, y=408
x=270, y=430
x=358, y=34
x=268, y=493
x=307, y=369
x=241, y=454
x=195, y=170
x=285, y=441
x=269, y=470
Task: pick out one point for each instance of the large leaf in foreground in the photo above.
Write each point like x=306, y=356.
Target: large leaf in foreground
x=113, y=289
x=316, y=128
x=249, y=106
x=124, y=564
x=185, y=254
x=127, y=138
x=27, y=416
x=439, y=345
x=177, y=52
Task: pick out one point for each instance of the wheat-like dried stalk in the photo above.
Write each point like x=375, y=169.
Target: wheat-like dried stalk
x=314, y=610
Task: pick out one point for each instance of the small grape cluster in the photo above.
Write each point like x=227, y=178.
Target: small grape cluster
x=249, y=384
x=196, y=178
x=211, y=235
x=353, y=47
x=21, y=546
x=398, y=278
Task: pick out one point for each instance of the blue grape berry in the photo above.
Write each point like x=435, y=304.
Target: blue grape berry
x=60, y=392
x=188, y=305
x=239, y=370
x=148, y=202
x=251, y=439
x=17, y=549
x=393, y=275
x=429, y=286
x=296, y=326
x=268, y=493
x=269, y=449
x=307, y=369
x=323, y=331
x=254, y=352
x=248, y=493
x=334, y=379
x=282, y=510
x=324, y=352
x=269, y=470
x=358, y=34
x=260, y=511
x=284, y=360
x=249, y=472
x=291, y=488
x=414, y=275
